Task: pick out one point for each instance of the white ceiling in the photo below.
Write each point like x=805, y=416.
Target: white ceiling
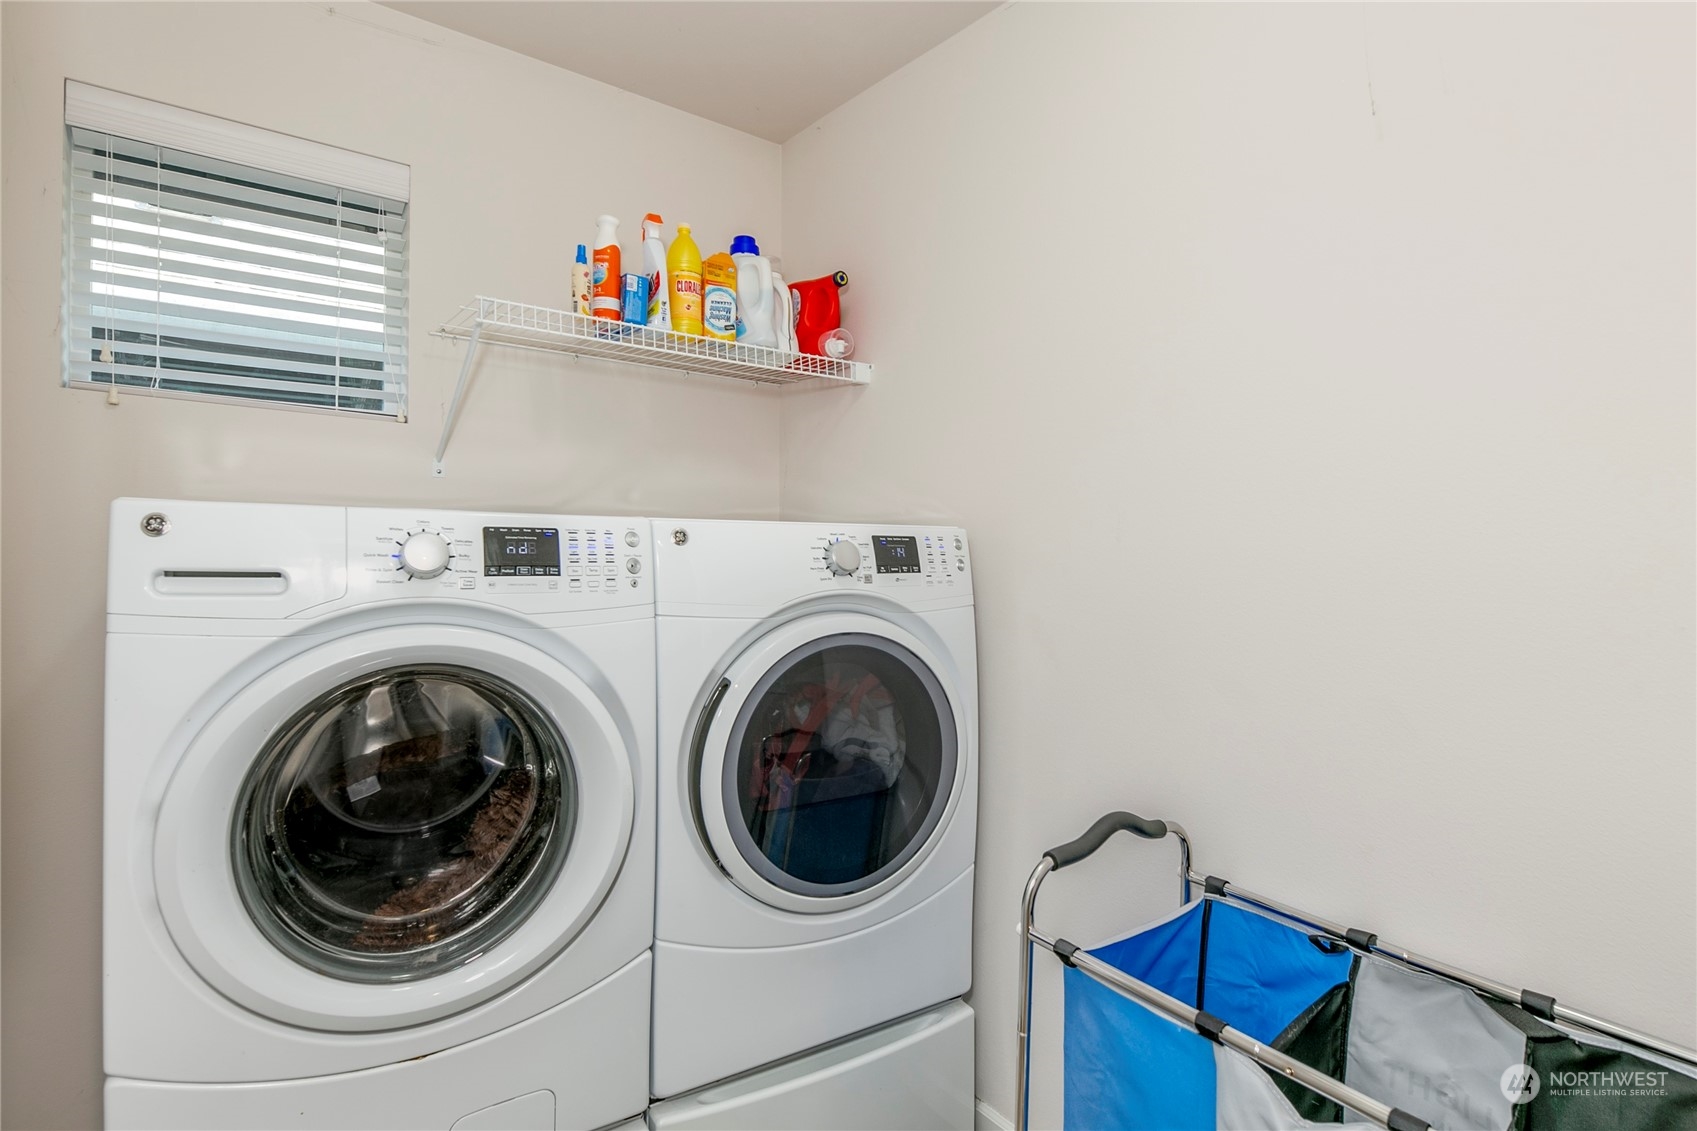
x=766, y=67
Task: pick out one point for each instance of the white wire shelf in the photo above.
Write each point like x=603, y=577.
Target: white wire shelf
x=500, y=322
x=538, y=327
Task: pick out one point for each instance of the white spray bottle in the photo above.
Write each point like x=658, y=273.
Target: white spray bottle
x=654, y=266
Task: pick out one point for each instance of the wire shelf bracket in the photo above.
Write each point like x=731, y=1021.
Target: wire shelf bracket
x=490, y=321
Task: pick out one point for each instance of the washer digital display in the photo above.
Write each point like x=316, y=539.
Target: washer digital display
x=895, y=554
x=521, y=551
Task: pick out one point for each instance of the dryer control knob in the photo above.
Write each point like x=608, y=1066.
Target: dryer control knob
x=843, y=557
x=424, y=555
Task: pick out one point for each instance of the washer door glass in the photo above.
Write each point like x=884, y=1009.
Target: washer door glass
x=840, y=764
x=403, y=823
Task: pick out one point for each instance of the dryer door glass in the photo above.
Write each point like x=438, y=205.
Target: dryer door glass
x=840, y=764
x=403, y=823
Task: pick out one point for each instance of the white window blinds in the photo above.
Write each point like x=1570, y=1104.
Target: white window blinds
x=191, y=274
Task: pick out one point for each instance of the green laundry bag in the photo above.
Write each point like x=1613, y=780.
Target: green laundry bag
x=1587, y=1082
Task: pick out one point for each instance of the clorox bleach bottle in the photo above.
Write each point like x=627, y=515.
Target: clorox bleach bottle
x=683, y=277
x=755, y=326
x=654, y=266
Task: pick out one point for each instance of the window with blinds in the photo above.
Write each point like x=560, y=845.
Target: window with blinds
x=199, y=276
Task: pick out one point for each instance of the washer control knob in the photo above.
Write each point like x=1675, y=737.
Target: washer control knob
x=424, y=555
x=632, y=539
x=843, y=557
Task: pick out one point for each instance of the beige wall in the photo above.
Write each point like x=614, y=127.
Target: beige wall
x=511, y=161
x=2, y=606
x=1317, y=385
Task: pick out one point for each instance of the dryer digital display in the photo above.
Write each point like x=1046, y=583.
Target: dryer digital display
x=521, y=551
x=895, y=554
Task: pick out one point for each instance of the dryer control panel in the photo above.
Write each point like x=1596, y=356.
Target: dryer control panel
x=705, y=566
x=903, y=558
x=566, y=562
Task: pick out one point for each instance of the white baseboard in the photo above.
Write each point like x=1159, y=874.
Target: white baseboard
x=987, y=1118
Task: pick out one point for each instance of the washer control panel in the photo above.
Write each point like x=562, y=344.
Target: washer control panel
x=521, y=551
x=577, y=561
x=910, y=559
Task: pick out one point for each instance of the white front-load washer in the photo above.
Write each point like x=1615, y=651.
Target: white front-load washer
x=818, y=787
x=378, y=818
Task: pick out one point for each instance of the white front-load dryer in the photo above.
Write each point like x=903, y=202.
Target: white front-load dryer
x=818, y=787
x=378, y=818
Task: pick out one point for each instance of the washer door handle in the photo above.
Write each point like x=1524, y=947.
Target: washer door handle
x=697, y=748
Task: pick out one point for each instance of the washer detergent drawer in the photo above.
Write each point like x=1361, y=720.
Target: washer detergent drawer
x=913, y=1075
x=533, y=1112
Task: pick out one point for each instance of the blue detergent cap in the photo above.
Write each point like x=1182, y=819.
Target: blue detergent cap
x=744, y=245
x=582, y=254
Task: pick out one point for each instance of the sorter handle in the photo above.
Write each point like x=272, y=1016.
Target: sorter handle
x=1097, y=835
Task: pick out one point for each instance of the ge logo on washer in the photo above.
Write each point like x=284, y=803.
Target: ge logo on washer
x=1520, y=1084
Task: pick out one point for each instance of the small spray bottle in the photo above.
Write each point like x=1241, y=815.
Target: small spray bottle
x=580, y=281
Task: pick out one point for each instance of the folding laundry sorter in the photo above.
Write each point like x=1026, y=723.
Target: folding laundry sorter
x=1237, y=1011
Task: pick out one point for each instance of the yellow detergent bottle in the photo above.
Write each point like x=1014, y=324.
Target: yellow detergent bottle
x=683, y=270
x=719, y=297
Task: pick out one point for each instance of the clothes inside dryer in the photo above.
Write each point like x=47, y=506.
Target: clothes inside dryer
x=843, y=760
x=403, y=822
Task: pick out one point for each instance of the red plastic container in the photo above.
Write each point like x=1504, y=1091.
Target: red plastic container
x=817, y=309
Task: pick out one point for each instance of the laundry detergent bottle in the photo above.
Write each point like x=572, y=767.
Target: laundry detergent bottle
x=606, y=299
x=756, y=311
x=719, y=297
x=683, y=277
x=654, y=266
x=818, y=310
x=755, y=323
x=783, y=308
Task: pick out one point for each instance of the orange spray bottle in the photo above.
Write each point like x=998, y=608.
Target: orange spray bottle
x=605, y=300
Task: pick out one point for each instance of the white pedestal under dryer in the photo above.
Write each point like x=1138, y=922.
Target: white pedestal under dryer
x=378, y=818
x=818, y=764
x=910, y=1075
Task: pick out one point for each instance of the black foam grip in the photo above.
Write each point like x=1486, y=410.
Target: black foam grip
x=1540, y=1005
x=1213, y=885
x=1361, y=940
x=1064, y=951
x=1400, y=1120
x=1209, y=1025
x=1097, y=835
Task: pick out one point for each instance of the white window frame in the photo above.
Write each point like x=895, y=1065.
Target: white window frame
x=352, y=184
